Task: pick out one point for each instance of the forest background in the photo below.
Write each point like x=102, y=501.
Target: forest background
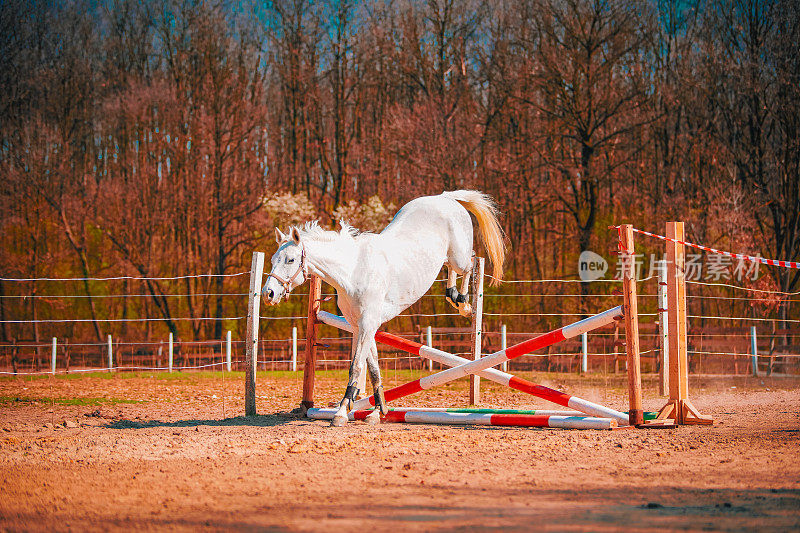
x=167, y=138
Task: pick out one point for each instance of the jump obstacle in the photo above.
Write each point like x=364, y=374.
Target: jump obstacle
x=599, y=417
x=482, y=367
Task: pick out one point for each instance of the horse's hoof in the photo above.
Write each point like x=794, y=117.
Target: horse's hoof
x=373, y=418
x=380, y=401
x=338, y=421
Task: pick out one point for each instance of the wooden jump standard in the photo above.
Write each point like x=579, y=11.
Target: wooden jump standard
x=678, y=408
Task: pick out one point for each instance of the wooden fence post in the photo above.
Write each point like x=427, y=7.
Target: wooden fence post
x=477, y=327
x=631, y=316
x=314, y=300
x=251, y=340
x=66, y=355
x=15, y=356
x=678, y=406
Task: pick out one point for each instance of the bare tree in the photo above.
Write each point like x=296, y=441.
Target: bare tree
x=293, y=36
x=751, y=68
x=592, y=99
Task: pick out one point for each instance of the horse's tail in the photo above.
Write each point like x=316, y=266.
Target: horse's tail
x=485, y=210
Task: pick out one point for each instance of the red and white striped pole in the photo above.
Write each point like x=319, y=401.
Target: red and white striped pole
x=483, y=368
x=753, y=258
x=417, y=416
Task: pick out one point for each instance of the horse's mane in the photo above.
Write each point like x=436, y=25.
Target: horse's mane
x=312, y=230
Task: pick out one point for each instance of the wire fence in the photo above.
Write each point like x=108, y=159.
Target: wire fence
x=717, y=342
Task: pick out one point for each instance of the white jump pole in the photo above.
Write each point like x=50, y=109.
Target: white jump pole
x=228, y=350
x=330, y=412
x=429, y=342
x=584, y=352
x=110, y=353
x=476, y=341
x=53, y=356
x=424, y=416
x=503, y=346
x=170, y=351
x=294, y=349
x=753, y=350
x=663, y=382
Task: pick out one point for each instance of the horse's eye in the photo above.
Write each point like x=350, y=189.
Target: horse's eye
x=290, y=261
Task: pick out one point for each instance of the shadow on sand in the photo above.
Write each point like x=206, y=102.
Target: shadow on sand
x=270, y=420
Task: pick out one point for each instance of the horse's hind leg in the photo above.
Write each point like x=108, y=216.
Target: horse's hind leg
x=450, y=292
x=459, y=300
x=464, y=307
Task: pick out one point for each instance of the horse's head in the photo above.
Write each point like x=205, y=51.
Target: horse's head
x=289, y=267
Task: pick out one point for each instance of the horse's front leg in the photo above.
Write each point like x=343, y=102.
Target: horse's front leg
x=362, y=376
x=381, y=409
x=356, y=370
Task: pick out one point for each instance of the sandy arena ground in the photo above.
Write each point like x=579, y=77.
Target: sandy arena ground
x=184, y=459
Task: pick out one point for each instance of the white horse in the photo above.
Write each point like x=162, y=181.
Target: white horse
x=378, y=276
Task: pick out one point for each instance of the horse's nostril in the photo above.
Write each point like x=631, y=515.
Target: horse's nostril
x=270, y=294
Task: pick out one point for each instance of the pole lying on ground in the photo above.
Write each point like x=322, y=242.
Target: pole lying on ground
x=485, y=410
x=420, y=416
x=482, y=367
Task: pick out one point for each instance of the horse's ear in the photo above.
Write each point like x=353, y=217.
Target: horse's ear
x=295, y=234
x=279, y=236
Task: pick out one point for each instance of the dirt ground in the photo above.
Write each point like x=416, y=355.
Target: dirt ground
x=172, y=452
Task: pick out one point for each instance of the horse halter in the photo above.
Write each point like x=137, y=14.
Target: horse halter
x=287, y=283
